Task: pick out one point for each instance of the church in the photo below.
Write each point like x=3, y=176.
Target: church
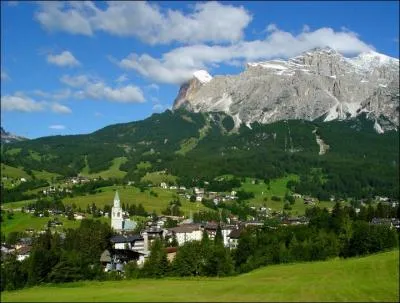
x=118, y=222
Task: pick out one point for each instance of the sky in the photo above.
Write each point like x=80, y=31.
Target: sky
x=75, y=67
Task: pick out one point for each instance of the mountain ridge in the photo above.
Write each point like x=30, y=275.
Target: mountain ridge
x=318, y=83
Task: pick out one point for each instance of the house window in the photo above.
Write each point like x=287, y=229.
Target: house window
x=118, y=215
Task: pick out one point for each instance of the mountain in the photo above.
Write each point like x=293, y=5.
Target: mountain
x=348, y=156
x=7, y=137
x=318, y=84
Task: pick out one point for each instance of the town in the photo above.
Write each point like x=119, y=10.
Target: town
x=132, y=242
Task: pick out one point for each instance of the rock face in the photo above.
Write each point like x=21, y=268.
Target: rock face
x=8, y=137
x=320, y=83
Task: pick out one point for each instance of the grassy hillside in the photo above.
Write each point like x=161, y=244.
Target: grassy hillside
x=133, y=195
x=112, y=172
x=372, y=278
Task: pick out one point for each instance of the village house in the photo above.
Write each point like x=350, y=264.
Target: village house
x=163, y=185
x=186, y=233
x=233, y=238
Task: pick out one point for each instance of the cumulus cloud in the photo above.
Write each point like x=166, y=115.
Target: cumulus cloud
x=60, y=109
x=92, y=88
x=57, y=126
x=66, y=58
x=58, y=95
x=4, y=76
x=21, y=103
x=56, y=16
x=178, y=65
x=75, y=81
x=208, y=22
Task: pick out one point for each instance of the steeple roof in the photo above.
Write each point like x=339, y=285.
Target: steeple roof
x=116, y=197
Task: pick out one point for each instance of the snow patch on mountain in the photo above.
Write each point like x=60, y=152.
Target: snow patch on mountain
x=203, y=76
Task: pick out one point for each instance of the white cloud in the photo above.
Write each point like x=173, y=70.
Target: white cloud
x=4, y=76
x=178, y=65
x=98, y=114
x=61, y=94
x=75, y=81
x=57, y=126
x=21, y=103
x=121, y=79
x=92, y=88
x=99, y=91
x=66, y=58
x=60, y=109
x=208, y=22
x=55, y=16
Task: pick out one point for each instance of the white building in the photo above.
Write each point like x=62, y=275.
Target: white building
x=118, y=222
x=116, y=214
x=186, y=233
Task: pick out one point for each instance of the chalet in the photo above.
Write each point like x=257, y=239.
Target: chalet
x=173, y=187
x=216, y=201
x=182, y=187
x=186, y=233
x=163, y=185
x=152, y=233
x=297, y=196
x=233, y=238
x=211, y=229
x=133, y=242
x=226, y=231
x=115, y=259
x=199, y=198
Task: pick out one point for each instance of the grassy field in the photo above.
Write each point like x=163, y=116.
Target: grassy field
x=13, y=172
x=373, y=278
x=112, y=172
x=21, y=221
x=277, y=187
x=132, y=195
x=156, y=178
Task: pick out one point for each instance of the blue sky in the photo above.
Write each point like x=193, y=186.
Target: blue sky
x=75, y=67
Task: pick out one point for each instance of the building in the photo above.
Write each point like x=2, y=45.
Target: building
x=233, y=238
x=118, y=222
x=186, y=233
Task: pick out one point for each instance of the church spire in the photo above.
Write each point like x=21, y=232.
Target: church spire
x=116, y=200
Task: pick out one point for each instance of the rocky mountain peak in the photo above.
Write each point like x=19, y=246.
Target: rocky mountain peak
x=319, y=83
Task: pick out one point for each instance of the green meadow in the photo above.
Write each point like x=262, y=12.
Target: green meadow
x=133, y=195
x=373, y=278
x=112, y=172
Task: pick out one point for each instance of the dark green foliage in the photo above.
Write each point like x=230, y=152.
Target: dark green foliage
x=360, y=163
x=156, y=266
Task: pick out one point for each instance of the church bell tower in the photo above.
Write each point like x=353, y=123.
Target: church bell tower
x=116, y=214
